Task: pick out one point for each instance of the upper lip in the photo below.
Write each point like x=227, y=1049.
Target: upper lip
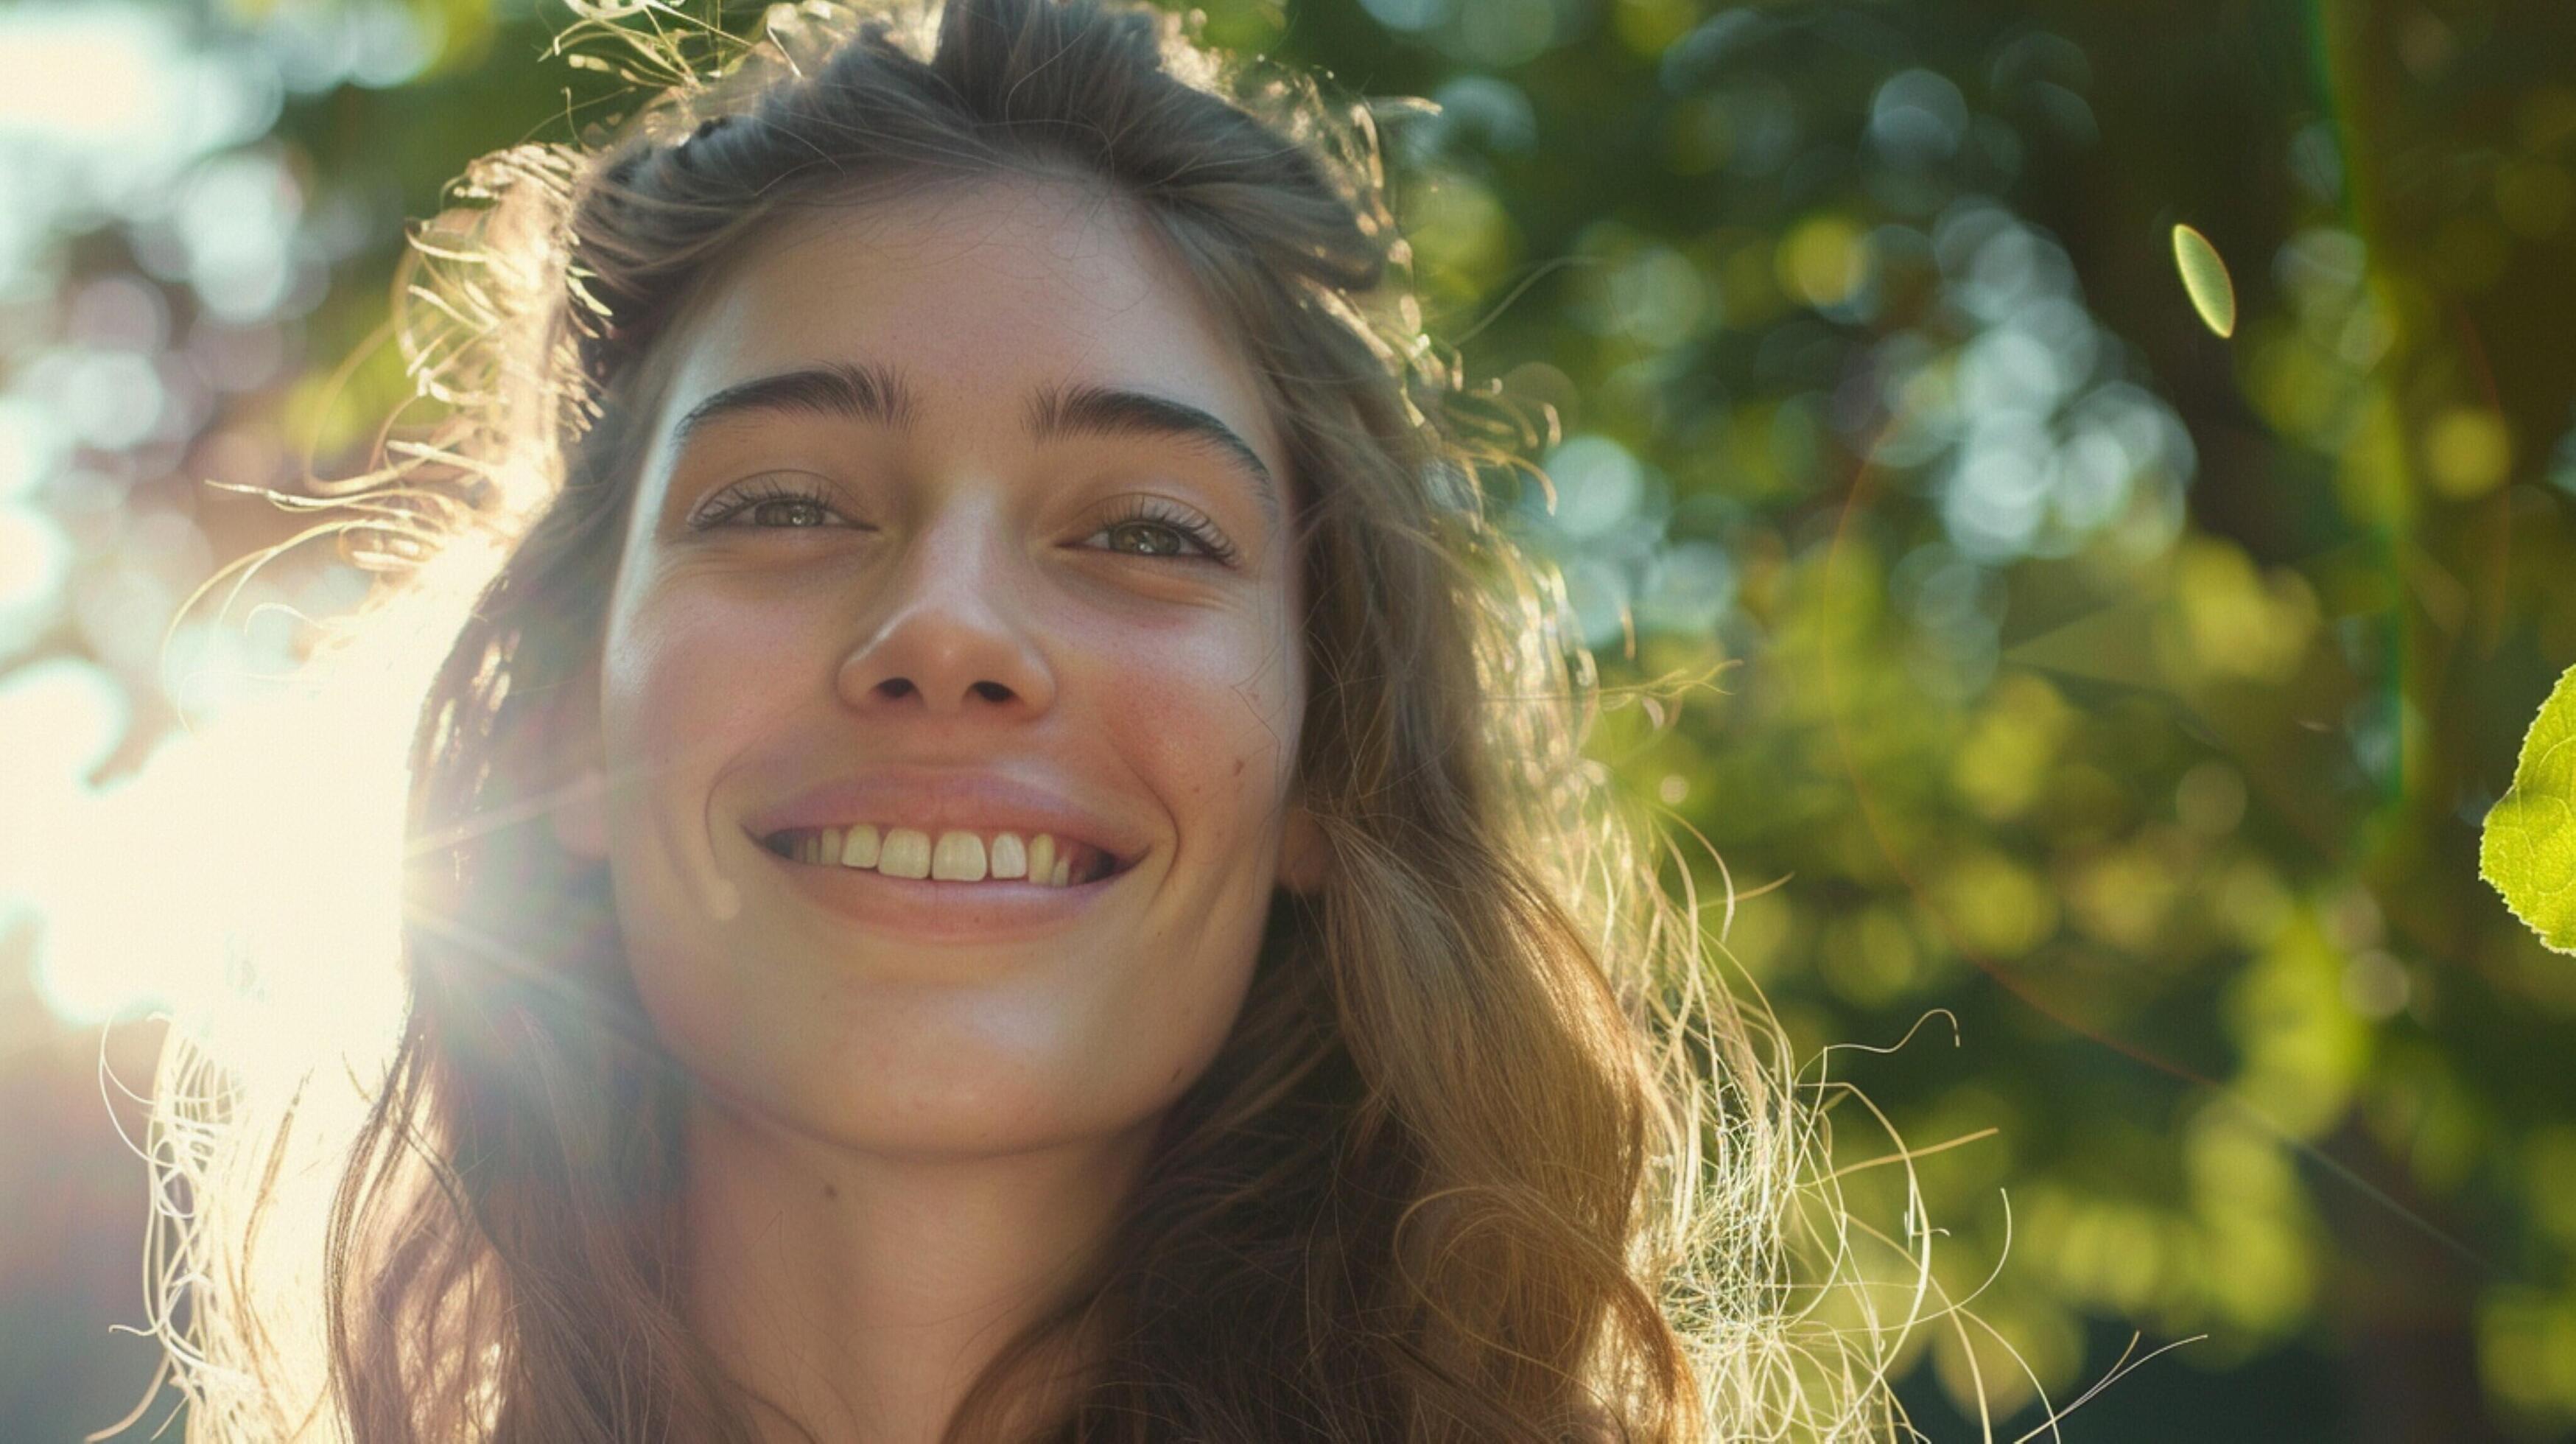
x=983, y=802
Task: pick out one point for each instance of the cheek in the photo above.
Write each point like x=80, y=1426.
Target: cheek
x=1207, y=718
x=690, y=683
x=687, y=678
x=1210, y=727
x=691, y=680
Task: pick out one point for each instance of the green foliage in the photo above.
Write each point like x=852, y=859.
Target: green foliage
x=2529, y=849
x=2205, y=279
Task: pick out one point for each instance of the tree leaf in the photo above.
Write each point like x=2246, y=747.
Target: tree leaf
x=2529, y=850
x=2205, y=279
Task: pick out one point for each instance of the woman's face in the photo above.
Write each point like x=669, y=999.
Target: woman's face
x=961, y=525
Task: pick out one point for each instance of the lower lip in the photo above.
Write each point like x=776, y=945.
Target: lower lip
x=943, y=911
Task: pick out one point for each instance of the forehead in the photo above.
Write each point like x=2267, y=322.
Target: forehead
x=982, y=291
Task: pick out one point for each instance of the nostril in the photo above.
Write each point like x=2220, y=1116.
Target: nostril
x=992, y=691
x=896, y=686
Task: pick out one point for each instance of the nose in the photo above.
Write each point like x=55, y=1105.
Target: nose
x=951, y=633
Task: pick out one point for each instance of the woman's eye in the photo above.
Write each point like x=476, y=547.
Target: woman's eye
x=796, y=512
x=1155, y=532
x=1147, y=538
x=770, y=505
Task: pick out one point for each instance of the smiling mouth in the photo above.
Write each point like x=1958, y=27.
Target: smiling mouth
x=1041, y=860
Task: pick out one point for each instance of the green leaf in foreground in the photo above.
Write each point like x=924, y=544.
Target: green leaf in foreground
x=2205, y=280
x=2529, y=851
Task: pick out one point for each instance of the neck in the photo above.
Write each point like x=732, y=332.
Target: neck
x=859, y=1294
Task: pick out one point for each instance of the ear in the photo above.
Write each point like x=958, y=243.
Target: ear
x=571, y=767
x=1303, y=851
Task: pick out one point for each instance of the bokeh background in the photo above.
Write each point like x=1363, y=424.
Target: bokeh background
x=2116, y=700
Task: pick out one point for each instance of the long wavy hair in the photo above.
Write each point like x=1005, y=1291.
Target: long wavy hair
x=1491, y=1154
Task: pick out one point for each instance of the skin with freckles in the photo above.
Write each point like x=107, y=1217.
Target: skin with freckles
x=906, y=1138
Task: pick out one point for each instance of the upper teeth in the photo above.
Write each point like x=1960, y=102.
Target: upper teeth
x=956, y=856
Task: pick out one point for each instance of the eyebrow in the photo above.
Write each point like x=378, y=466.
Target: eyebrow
x=879, y=394
x=870, y=393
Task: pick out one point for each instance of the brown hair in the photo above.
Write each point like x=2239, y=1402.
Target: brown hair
x=1487, y=1157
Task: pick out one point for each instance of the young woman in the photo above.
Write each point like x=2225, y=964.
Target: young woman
x=1006, y=854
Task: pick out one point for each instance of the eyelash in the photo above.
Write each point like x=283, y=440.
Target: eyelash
x=749, y=495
